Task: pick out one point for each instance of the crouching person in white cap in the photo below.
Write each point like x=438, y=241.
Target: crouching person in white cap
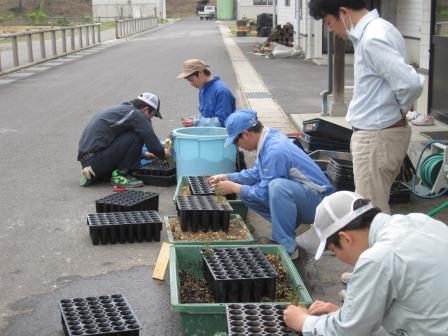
x=285, y=185
x=399, y=282
x=110, y=145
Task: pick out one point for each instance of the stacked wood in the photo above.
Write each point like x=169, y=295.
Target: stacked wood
x=283, y=35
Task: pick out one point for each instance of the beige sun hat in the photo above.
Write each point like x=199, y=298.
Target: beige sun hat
x=191, y=66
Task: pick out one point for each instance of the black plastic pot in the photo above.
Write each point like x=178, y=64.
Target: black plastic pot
x=239, y=274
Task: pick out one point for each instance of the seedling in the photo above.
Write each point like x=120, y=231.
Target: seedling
x=220, y=198
x=207, y=250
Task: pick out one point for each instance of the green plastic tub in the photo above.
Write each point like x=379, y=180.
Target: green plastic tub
x=240, y=223
x=207, y=319
x=237, y=205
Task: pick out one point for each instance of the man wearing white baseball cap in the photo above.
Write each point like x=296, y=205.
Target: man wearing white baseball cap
x=398, y=285
x=111, y=143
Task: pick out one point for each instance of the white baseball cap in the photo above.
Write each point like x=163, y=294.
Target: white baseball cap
x=152, y=100
x=334, y=213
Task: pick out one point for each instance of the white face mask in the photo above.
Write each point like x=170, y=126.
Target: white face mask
x=348, y=31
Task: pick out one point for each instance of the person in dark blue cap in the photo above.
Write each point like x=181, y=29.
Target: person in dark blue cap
x=285, y=186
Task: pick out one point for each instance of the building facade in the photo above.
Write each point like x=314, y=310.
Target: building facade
x=423, y=23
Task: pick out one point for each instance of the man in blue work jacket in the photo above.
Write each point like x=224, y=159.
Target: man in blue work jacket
x=285, y=186
x=216, y=102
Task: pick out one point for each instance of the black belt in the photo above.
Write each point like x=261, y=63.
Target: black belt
x=399, y=123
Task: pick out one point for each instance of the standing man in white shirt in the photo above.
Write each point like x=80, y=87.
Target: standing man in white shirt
x=398, y=285
x=385, y=87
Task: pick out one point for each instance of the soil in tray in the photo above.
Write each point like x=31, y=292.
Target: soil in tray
x=195, y=290
x=234, y=233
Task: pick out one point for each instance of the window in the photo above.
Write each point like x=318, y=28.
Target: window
x=441, y=19
x=287, y=3
x=262, y=2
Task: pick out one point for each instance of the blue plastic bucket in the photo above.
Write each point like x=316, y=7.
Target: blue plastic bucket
x=200, y=151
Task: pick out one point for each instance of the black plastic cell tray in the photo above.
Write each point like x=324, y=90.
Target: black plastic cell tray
x=158, y=168
x=199, y=185
x=128, y=200
x=257, y=319
x=240, y=274
x=122, y=227
x=156, y=180
x=202, y=212
x=102, y=316
x=313, y=145
x=340, y=173
x=326, y=129
x=341, y=164
x=316, y=137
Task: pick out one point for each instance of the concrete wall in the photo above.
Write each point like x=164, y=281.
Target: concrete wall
x=118, y=8
x=246, y=8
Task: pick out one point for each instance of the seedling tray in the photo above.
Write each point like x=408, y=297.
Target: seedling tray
x=204, y=319
x=103, y=316
x=129, y=200
x=322, y=157
x=203, y=212
x=326, y=129
x=159, y=168
x=156, y=180
x=122, y=227
x=239, y=223
x=199, y=186
x=257, y=319
x=240, y=274
x=237, y=205
x=311, y=144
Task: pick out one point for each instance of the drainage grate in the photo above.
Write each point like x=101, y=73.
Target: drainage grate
x=258, y=95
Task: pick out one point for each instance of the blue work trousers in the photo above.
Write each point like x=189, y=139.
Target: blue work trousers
x=291, y=203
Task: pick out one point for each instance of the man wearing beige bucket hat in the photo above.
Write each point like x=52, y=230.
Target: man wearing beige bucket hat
x=216, y=101
x=398, y=285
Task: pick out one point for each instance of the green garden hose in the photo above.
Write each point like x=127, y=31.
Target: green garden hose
x=430, y=169
x=437, y=209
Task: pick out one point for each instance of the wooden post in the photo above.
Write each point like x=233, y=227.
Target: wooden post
x=338, y=107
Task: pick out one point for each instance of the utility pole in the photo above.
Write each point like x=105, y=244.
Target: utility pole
x=338, y=107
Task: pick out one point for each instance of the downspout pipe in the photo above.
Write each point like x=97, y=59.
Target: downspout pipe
x=329, y=91
x=298, y=9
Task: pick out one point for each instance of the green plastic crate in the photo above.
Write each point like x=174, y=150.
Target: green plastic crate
x=237, y=205
x=210, y=318
x=240, y=223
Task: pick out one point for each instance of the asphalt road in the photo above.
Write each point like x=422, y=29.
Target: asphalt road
x=45, y=250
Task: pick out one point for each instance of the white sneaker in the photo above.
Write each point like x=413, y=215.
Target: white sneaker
x=411, y=115
x=423, y=121
x=87, y=174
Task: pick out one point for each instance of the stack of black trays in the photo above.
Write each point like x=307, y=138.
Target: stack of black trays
x=321, y=134
x=158, y=173
x=340, y=173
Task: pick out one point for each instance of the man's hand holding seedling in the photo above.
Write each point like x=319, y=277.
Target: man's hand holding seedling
x=217, y=178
